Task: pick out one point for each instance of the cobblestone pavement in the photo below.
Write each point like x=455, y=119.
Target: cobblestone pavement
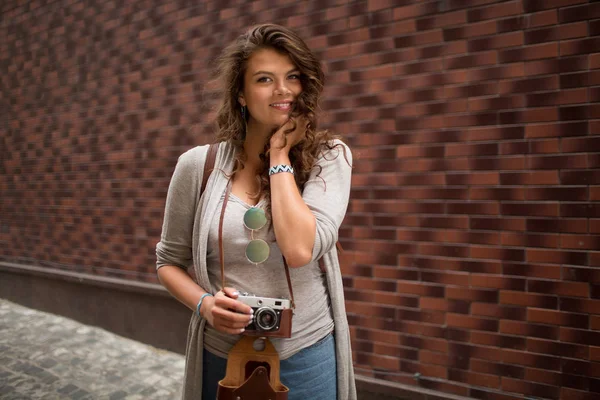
x=44, y=356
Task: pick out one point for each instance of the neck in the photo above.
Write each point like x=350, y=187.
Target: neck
x=256, y=138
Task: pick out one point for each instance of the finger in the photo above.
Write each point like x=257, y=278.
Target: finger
x=229, y=331
x=231, y=292
x=234, y=327
x=231, y=317
x=233, y=305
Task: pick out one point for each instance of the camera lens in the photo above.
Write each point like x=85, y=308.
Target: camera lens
x=266, y=318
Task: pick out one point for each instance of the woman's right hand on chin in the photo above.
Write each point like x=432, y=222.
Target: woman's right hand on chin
x=224, y=313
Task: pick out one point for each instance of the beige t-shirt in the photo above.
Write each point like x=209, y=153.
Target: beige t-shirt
x=312, y=316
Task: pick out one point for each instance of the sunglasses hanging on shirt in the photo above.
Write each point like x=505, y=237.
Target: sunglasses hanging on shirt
x=257, y=250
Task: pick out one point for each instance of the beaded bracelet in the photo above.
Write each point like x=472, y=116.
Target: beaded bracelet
x=281, y=168
x=200, y=303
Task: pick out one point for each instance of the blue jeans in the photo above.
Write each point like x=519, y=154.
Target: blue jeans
x=309, y=374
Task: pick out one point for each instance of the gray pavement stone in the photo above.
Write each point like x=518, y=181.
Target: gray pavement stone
x=44, y=356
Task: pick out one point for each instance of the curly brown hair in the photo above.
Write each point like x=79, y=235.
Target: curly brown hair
x=230, y=70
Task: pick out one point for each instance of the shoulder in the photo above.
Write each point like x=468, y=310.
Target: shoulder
x=335, y=151
x=194, y=155
x=188, y=163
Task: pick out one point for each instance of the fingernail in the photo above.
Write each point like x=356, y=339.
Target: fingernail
x=236, y=293
x=251, y=318
x=251, y=311
x=242, y=330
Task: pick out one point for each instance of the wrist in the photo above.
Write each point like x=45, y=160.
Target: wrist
x=203, y=303
x=278, y=157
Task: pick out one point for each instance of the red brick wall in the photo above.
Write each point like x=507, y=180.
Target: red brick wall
x=474, y=224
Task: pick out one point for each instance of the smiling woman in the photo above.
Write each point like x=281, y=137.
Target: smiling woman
x=275, y=199
x=271, y=85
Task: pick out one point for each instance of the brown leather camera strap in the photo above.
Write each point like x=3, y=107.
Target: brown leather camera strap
x=222, y=255
x=209, y=165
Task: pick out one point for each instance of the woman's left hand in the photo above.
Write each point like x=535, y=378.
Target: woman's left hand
x=279, y=138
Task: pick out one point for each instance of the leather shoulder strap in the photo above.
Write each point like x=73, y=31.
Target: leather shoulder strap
x=209, y=164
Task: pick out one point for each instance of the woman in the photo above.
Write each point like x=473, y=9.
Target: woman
x=270, y=158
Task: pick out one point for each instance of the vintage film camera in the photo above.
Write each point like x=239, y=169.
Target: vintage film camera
x=272, y=317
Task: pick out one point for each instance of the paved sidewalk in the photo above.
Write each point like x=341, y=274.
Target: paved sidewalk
x=44, y=356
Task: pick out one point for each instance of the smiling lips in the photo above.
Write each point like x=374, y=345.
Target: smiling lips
x=282, y=106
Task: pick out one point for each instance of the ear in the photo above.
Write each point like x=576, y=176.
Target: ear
x=241, y=99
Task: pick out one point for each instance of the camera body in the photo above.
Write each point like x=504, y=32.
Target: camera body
x=272, y=316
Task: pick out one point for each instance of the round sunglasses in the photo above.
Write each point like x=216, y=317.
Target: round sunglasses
x=257, y=250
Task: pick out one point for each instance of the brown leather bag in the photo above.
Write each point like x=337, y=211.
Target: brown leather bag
x=252, y=374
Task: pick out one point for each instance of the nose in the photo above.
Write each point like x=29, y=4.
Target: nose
x=281, y=89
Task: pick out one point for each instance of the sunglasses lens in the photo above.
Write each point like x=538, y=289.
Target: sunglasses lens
x=255, y=218
x=257, y=251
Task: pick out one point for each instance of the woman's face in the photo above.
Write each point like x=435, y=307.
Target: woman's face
x=271, y=85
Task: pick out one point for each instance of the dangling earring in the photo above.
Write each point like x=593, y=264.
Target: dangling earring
x=244, y=112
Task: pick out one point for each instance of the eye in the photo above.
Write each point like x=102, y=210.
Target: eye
x=263, y=79
x=294, y=76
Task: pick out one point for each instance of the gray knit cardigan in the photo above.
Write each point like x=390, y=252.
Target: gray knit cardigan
x=185, y=236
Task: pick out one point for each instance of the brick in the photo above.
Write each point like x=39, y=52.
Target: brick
x=557, y=318
x=529, y=178
x=474, y=378
x=528, y=299
x=530, y=115
x=529, y=330
x=560, y=97
x=543, y=18
x=585, y=144
x=497, y=311
x=510, y=39
x=482, y=295
x=580, y=336
x=578, y=13
x=544, y=146
x=481, y=352
x=557, y=225
x=470, y=30
x=542, y=376
x=577, y=210
x=442, y=20
x=559, y=194
x=579, y=46
x=528, y=85
x=496, y=340
x=581, y=367
x=532, y=52
x=536, y=5
x=574, y=161
x=580, y=242
x=529, y=388
x=529, y=240
x=568, y=393
x=494, y=11
x=594, y=226
x=414, y=10
x=561, y=348
x=559, y=32
x=506, y=71
x=496, y=282
x=531, y=270
x=470, y=322
x=572, y=289
x=516, y=357
x=530, y=209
